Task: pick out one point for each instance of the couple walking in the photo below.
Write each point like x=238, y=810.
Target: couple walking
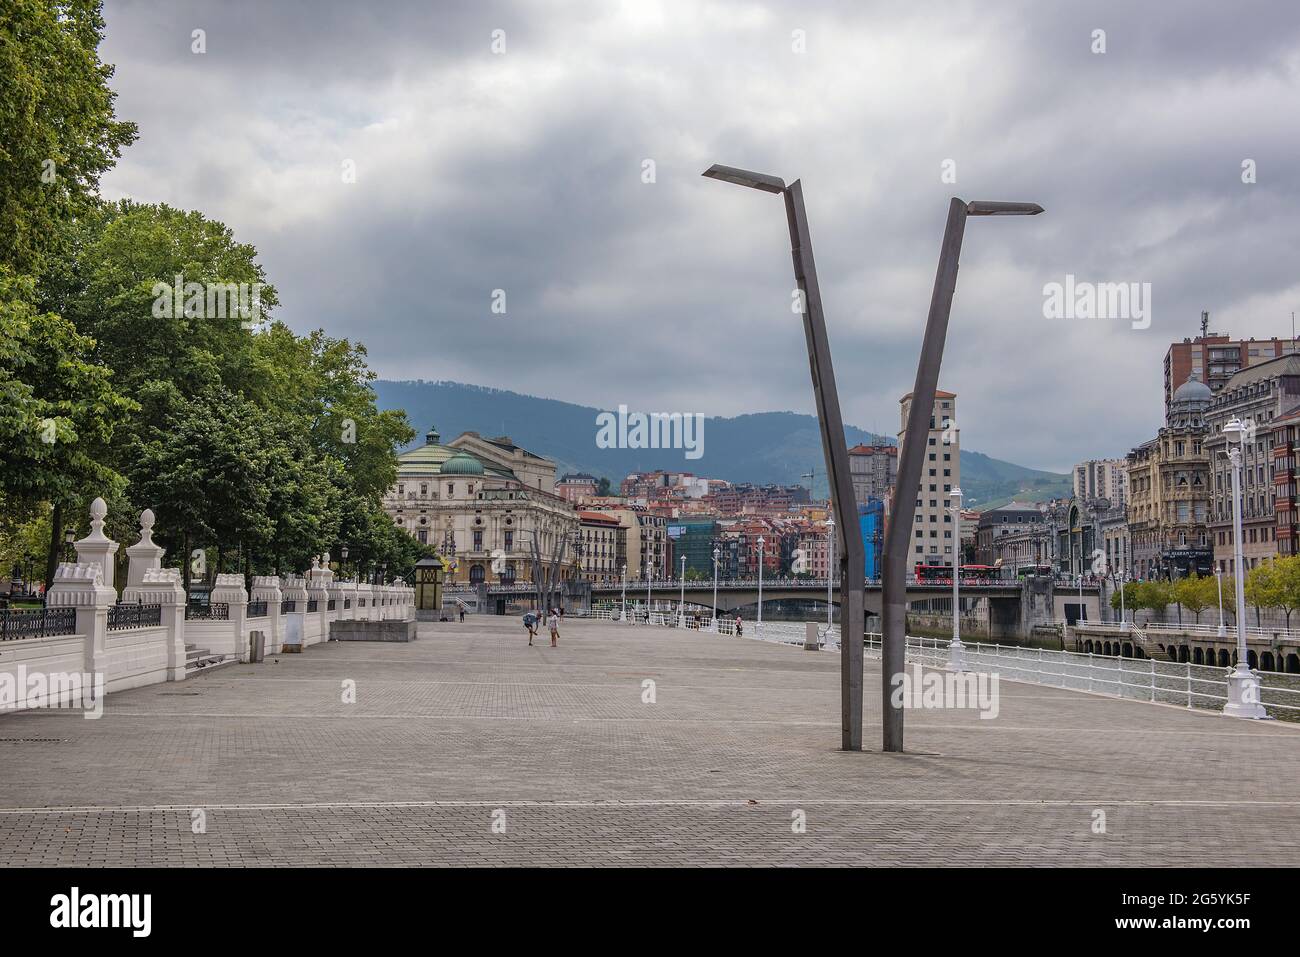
x=531, y=622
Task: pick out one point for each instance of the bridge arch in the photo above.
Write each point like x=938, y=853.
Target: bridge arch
x=1198, y=656
x=1224, y=660
x=1266, y=661
x=1293, y=664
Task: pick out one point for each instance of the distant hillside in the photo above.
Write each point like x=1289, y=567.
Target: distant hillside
x=761, y=447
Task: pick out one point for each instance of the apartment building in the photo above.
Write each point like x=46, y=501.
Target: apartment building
x=935, y=536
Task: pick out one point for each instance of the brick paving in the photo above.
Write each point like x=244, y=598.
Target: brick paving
x=468, y=728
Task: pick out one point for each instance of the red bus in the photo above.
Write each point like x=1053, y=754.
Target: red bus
x=943, y=573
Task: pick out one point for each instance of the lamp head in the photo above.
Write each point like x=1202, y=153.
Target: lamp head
x=984, y=208
x=744, y=177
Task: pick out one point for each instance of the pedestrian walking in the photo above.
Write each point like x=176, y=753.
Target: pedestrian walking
x=462, y=613
x=740, y=627
x=555, y=629
x=530, y=622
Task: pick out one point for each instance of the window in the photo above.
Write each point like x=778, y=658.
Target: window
x=478, y=539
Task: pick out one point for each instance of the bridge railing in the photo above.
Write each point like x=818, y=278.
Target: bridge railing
x=1211, y=631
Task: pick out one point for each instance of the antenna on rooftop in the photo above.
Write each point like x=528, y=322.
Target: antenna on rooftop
x=1205, y=323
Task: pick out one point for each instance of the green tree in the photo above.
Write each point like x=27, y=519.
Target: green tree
x=1195, y=594
x=60, y=132
x=1287, y=585
x=58, y=411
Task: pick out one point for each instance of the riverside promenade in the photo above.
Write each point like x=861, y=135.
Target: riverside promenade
x=467, y=747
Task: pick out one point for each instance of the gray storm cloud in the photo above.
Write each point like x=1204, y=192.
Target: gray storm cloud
x=523, y=171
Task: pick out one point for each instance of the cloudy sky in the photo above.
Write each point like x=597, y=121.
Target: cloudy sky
x=524, y=170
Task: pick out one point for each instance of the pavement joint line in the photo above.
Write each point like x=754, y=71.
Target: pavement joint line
x=533, y=719
x=632, y=804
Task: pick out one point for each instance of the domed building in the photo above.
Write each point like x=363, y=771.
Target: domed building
x=1169, y=491
x=480, y=502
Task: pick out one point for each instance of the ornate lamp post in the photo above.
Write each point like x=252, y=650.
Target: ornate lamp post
x=956, y=650
x=1218, y=577
x=717, y=552
x=1243, y=685
x=681, y=602
x=758, y=628
x=830, y=573
x=622, y=616
x=69, y=536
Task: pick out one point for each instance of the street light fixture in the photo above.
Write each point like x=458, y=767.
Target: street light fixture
x=681, y=601
x=830, y=564
x=343, y=561
x=956, y=656
x=1243, y=684
x=758, y=628
x=69, y=536
x=1218, y=577
x=623, y=614
x=839, y=480
x=717, y=553
x=894, y=573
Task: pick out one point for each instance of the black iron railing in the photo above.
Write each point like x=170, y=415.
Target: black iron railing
x=329, y=605
x=16, y=623
x=217, y=611
x=257, y=609
x=312, y=604
x=134, y=616
x=288, y=606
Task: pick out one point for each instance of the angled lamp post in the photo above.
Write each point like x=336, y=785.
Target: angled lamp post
x=910, y=457
x=956, y=658
x=717, y=552
x=852, y=568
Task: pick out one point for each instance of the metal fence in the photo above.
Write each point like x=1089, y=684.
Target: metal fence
x=287, y=606
x=257, y=609
x=134, y=616
x=19, y=623
x=1139, y=679
x=1142, y=679
x=217, y=611
x=312, y=604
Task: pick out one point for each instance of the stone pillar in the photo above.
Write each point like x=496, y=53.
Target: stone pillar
x=229, y=590
x=80, y=585
x=267, y=588
x=144, y=556
x=366, y=593
x=163, y=587
x=294, y=589
x=98, y=547
x=319, y=580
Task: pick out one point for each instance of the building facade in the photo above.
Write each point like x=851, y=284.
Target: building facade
x=936, y=538
x=468, y=501
x=874, y=469
x=604, y=547
x=1011, y=537
x=1215, y=358
x=1260, y=396
x=1169, y=491
x=1102, y=480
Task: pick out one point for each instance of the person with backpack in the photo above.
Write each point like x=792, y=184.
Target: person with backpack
x=530, y=622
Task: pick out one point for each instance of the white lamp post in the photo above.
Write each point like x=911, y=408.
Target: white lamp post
x=1218, y=576
x=956, y=656
x=1243, y=685
x=1123, y=614
x=681, y=602
x=717, y=553
x=646, y=565
x=623, y=614
x=830, y=570
x=758, y=628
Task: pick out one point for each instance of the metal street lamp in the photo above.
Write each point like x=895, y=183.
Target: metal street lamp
x=681, y=602
x=830, y=564
x=343, y=561
x=717, y=552
x=894, y=573
x=956, y=656
x=1243, y=684
x=1218, y=576
x=758, y=628
x=69, y=536
x=834, y=447
x=623, y=614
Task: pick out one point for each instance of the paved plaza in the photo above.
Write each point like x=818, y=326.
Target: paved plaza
x=467, y=747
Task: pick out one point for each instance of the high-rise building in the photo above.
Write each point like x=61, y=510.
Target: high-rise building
x=578, y=487
x=1098, y=479
x=873, y=469
x=936, y=538
x=1216, y=358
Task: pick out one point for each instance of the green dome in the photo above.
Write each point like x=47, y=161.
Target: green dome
x=462, y=464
